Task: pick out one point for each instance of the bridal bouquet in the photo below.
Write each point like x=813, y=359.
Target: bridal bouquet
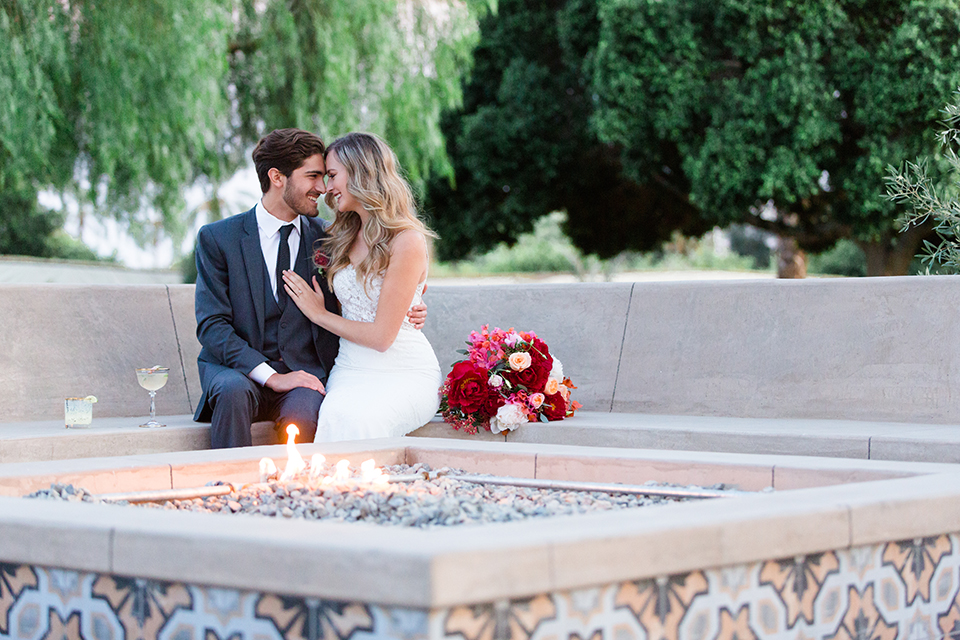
x=507, y=379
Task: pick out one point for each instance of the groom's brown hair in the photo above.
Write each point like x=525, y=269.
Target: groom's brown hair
x=286, y=150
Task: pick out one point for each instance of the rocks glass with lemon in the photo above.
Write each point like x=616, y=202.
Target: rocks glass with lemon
x=78, y=412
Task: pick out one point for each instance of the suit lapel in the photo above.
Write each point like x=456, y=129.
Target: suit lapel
x=253, y=261
x=311, y=230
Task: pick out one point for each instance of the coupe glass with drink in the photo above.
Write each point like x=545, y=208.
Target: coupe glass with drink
x=152, y=379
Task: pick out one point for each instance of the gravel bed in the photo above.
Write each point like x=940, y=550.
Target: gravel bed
x=439, y=501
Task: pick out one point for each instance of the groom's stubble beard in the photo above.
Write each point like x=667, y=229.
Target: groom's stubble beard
x=300, y=204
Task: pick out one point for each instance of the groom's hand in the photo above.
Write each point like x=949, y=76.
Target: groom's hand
x=283, y=382
x=418, y=313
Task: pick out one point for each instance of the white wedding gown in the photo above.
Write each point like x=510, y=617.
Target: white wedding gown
x=372, y=394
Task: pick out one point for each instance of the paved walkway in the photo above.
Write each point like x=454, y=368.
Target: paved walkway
x=626, y=276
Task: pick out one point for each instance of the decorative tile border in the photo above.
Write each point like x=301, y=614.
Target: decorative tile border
x=903, y=589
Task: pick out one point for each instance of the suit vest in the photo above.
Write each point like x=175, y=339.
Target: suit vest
x=288, y=335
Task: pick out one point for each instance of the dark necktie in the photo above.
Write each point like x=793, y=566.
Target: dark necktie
x=283, y=262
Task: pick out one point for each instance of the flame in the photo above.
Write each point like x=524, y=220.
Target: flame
x=367, y=468
x=295, y=462
x=316, y=465
x=268, y=469
x=369, y=472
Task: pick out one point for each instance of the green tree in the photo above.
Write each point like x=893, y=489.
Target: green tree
x=521, y=145
x=934, y=199
x=130, y=102
x=138, y=101
x=784, y=115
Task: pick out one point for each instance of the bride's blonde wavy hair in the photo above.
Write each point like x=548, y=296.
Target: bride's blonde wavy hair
x=374, y=179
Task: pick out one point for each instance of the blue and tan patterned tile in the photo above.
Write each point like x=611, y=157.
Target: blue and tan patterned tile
x=142, y=606
x=396, y=623
x=862, y=619
x=14, y=579
x=298, y=618
x=948, y=622
x=916, y=561
x=220, y=612
x=59, y=628
x=797, y=582
x=735, y=625
x=660, y=605
x=587, y=612
x=474, y=622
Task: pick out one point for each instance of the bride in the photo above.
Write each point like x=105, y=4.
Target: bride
x=386, y=377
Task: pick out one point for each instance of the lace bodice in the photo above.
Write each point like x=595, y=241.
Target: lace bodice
x=358, y=304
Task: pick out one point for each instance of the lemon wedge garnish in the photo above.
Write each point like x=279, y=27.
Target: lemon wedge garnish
x=90, y=399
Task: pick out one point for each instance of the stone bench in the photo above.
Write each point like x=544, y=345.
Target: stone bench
x=829, y=365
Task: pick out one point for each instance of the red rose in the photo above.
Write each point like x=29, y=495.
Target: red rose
x=468, y=387
x=493, y=402
x=554, y=407
x=320, y=259
x=534, y=377
x=539, y=351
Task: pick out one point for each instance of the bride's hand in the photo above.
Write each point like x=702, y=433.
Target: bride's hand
x=309, y=300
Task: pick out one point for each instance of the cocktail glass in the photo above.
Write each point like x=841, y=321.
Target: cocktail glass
x=152, y=379
x=78, y=412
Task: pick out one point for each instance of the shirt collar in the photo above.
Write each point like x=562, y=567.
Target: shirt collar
x=269, y=224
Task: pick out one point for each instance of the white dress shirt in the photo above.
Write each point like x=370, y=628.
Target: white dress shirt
x=269, y=227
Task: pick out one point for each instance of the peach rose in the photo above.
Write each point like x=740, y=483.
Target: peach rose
x=536, y=400
x=551, y=387
x=520, y=360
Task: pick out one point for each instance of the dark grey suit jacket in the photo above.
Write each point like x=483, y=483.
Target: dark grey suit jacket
x=231, y=298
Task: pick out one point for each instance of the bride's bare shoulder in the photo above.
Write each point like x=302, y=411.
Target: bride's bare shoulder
x=406, y=242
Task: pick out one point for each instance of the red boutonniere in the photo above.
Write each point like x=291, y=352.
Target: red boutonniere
x=321, y=261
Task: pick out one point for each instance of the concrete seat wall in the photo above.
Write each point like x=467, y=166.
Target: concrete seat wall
x=863, y=349
x=77, y=340
x=582, y=324
x=881, y=349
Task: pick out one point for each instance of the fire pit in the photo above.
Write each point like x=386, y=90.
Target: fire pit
x=409, y=496
x=832, y=548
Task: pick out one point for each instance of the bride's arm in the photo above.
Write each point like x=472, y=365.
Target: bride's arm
x=408, y=263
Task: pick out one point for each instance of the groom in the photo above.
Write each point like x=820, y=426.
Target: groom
x=261, y=358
